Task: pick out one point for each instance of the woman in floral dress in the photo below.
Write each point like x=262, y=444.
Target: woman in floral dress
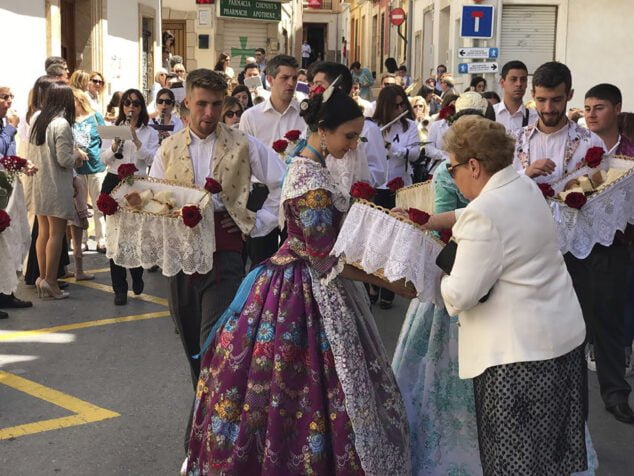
x=296, y=380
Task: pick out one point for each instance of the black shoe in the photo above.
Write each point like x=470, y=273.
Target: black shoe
x=153, y=269
x=62, y=284
x=385, y=304
x=120, y=299
x=137, y=286
x=9, y=301
x=101, y=249
x=3, y=315
x=622, y=412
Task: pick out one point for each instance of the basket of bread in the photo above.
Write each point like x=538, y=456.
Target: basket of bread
x=159, y=222
x=592, y=203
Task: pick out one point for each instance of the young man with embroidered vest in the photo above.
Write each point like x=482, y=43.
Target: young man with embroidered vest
x=546, y=151
x=268, y=122
x=208, y=148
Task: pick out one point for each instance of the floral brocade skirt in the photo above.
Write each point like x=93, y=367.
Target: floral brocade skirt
x=270, y=400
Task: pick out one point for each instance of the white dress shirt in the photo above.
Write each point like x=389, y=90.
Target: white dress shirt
x=436, y=133
x=513, y=122
x=374, y=151
x=267, y=125
x=265, y=167
x=508, y=243
x=142, y=157
x=403, y=148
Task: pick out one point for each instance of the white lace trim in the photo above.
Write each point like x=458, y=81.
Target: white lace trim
x=335, y=271
x=304, y=175
x=8, y=277
x=377, y=241
x=603, y=214
x=144, y=239
x=18, y=235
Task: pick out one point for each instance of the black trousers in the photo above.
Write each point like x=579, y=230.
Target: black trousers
x=118, y=273
x=600, y=281
x=386, y=199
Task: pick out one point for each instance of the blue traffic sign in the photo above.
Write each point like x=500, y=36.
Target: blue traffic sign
x=476, y=21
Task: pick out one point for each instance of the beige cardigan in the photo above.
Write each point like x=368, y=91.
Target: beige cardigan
x=507, y=240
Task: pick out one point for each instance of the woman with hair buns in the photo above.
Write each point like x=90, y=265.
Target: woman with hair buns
x=296, y=380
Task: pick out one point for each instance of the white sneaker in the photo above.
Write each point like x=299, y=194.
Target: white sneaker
x=184, y=468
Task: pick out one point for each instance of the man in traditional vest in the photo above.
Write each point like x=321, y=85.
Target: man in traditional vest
x=208, y=148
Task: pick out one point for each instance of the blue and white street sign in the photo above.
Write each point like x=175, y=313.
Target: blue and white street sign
x=476, y=21
x=475, y=68
x=476, y=52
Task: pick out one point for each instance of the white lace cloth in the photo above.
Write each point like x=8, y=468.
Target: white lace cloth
x=141, y=239
x=604, y=213
x=8, y=276
x=377, y=241
x=18, y=235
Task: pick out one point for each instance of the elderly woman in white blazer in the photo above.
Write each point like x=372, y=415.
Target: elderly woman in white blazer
x=522, y=345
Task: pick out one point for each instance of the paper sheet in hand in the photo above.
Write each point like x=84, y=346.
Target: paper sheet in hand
x=112, y=132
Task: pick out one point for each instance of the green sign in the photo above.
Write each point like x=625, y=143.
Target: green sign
x=251, y=10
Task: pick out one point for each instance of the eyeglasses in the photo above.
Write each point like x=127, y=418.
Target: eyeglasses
x=6, y=97
x=98, y=82
x=452, y=168
x=230, y=114
x=128, y=103
x=167, y=102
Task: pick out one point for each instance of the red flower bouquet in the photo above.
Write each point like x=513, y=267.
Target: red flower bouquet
x=418, y=216
x=191, y=215
x=293, y=135
x=5, y=220
x=575, y=200
x=13, y=164
x=212, y=186
x=126, y=172
x=395, y=184
x=546, y=189
x=593, y=157
x=316, y=90
x=106, y=204
x=362, y=190
x=280, y=146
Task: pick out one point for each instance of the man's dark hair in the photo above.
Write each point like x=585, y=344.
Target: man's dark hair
x=332, y=71
x=402, y=68
x=206, y=79
x=607, y=92
x=260, y=50
x=174, y=60
x=515, y=64
x=491, y=95
x=56, y=70
x=552, y=74
x=441, y=66
x=251, y=66
x=273, y=65
x=355, y=65
x=424, y=91
x=51, y=60
x=391, y=65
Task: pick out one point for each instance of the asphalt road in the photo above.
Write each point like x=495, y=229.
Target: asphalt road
x=89, y=388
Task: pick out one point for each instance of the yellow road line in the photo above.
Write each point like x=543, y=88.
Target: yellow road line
x=97, y=270
x=84, y=412
x=82, y=325
x=108, y=289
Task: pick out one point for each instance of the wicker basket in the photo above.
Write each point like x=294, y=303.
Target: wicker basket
x=420, y=196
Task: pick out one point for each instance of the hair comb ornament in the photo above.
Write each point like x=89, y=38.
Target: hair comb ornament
x=331, y=89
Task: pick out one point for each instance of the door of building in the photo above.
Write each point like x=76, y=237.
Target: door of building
x=69, y=50
x=316, y=36
x=178, y=45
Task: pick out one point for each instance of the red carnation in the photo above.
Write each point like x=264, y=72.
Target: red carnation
x=126, y=170
x=447, y=111
x=293, y=135
x=418, y=216
x=191, y=215
x=446, y=235
x=280, y=146
x=13, y=163
x=575, y=200
x=106, y=204
x=594, y=156
x=316, y=90
x=5, y=220
x=212, y=186
x=546, y=189
x=395, y=184
x=362, y=190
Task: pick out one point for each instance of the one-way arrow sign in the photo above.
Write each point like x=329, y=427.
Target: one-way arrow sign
x=470, y=68
x=483, y=53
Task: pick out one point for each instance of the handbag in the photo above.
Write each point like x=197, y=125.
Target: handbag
x=446, y=259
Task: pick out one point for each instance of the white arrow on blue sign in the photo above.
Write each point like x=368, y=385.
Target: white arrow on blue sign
x=470, y=68
x=483, y=53
x=476, y=21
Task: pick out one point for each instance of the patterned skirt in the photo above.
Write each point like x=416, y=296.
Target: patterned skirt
x=531, y=416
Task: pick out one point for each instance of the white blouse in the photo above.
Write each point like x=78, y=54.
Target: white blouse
x=142, y=157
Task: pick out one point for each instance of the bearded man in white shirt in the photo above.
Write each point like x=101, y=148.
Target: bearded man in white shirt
x=209, y=148
x=269, y=121
x=546, y=151
x=511, y=112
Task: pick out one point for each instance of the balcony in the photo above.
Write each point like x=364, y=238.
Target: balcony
x=323, y=5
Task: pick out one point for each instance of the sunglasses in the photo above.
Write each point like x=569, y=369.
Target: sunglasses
x=98, y=82
x=452, y=168
x=128, y=103
x=179, y=71
x=5, y=97
x=167, y=102
x=418, y=106
x=230, y=114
